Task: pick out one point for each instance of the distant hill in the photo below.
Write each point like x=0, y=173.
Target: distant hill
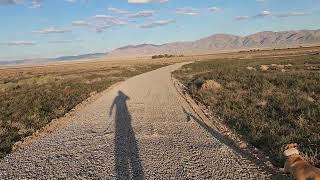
x=83, y=56
x=211, y=44
x=52, y=60
x=222, y=42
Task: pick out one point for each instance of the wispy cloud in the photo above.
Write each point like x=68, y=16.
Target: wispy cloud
x=146, y=1
x=145, y=13
x=289, y=14
x=111, y=20
x=52, y=30
x=157, y=23
x=118, y=11
x=65, y=41
x=186, y=11
x=20, y=43
x=80, y=23
x=264, y=14
x=239, y=18
x=98, y=22
x=33, y=3
x=9, y=2
x=100, y=29
x=103, y=22
x=102, y=16
x=214, y=9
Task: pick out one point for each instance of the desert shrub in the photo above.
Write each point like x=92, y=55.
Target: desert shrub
x=270, y=107
x=164, y=56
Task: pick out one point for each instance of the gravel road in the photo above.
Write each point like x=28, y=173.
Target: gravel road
x=140, y=129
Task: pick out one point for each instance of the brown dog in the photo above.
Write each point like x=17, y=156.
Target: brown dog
x=297, y=166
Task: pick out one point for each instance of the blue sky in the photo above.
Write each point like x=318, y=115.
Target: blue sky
x=51, y=28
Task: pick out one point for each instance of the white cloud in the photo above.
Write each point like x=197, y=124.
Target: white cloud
x=8, y=2
x=107, y=19
x=292, y=14
x=118, y=11
x=157, y=23
x=146, y=1
x=214, y=9
x=139, y=1
x=264, y=14
x=80, y=23
x=65, y=41
x=103, y=22
x=186, y=11
x=163, y=1
x=145, y=13
x=99, y=16
x=101, y=29
x=239, y=18
x=52, y=30
x=35, y=3
x=20, y=43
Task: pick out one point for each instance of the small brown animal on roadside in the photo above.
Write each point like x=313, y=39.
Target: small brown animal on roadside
x=297, y=166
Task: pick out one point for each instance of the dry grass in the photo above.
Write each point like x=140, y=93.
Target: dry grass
x=270, y=106
x=211, y=85
x=30, y=97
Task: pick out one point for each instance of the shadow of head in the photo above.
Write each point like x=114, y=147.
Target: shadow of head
x=122, y=95
x=120, y=103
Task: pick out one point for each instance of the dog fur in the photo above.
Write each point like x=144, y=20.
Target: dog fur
x=297, y=166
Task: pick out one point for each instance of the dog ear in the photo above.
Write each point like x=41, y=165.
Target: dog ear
x=285, y=147
x=289, y=146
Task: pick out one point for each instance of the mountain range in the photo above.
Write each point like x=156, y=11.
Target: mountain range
x=211, y=44
x=224, y=42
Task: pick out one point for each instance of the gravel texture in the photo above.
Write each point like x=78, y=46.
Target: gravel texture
x=140, y=129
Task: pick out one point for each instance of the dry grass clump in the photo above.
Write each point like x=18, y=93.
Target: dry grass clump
x=211, y=85
x=262, y=103
x=251, y=68
x=281, y=67
x=277, y=104
x=264, y=67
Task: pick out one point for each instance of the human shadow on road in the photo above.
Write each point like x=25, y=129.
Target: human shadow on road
x=127, y=161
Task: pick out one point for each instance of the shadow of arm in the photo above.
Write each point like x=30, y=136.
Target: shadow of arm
x=111, y=108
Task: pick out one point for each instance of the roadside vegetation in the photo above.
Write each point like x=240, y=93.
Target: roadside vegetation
x=165, y=56
x=270, y=101
x=31, y=97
